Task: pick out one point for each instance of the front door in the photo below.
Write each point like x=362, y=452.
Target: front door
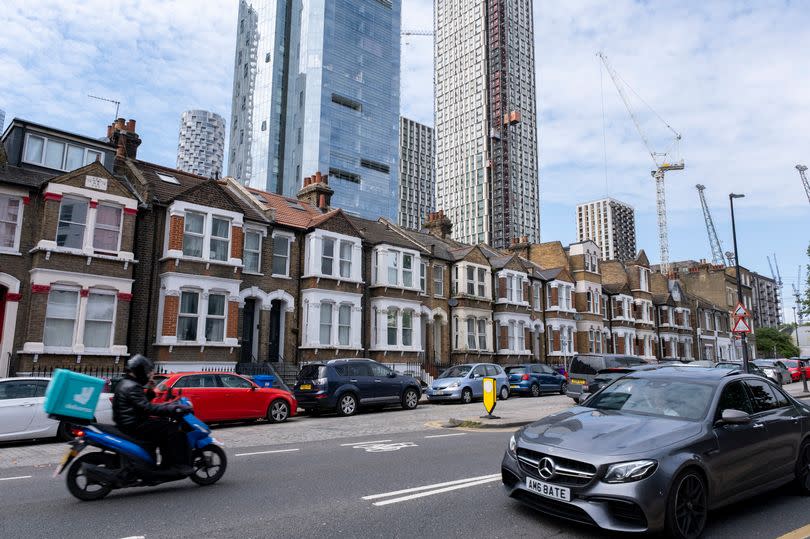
x=248, y=330
x=275, y=331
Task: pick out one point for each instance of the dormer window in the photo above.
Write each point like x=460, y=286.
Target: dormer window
x=58, y=155
x=644, y=283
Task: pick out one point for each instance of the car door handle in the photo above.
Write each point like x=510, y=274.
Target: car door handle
x=353, y=380
x=759, y=426
x=377, y=380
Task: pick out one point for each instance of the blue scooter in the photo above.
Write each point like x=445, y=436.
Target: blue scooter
x=126, y=462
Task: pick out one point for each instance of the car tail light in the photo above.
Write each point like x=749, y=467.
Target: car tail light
x=524, y=377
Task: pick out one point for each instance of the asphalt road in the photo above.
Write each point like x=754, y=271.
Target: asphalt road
x=322, y=489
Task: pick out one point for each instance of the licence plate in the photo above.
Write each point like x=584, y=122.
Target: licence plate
x=579, y=381
x=514, y=386
x=548, y=490
x=305, y=386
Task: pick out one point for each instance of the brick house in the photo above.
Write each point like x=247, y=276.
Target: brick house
x=66, y=250
x=673, y=318
x=588, y=298
x=517, y=325
x=620, y=307
x=643, y=312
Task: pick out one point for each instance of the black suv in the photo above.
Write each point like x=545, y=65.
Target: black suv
x=585, y=366
x=345, y=384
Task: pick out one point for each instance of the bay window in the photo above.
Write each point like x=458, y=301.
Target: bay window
x=107, y=232
x=10, y=222
x=344, y=324
x=253, y=252
x=471, y=336
x=393, y=267
x=407, y=328
x=327, y=256
x=326, y=324
x=332, y=255
x=215, y=319
x=482, y=276
x=470, y=280
x=510, y=335
x=72, y=223
x=193, y=234
x=521, y=336
x=60, y=317
x=392, y=327
x=345, y=259
x=188, y=316
x=407, y=270
x=482, y=334
x=220, y=239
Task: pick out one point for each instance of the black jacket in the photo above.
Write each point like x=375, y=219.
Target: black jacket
x=131, y=408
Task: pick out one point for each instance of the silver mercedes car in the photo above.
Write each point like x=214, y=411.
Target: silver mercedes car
x=657, y=449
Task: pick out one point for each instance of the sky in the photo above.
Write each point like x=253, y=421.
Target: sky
x=731, y=77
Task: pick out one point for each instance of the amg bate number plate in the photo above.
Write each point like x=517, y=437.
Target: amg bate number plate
x=548, y=490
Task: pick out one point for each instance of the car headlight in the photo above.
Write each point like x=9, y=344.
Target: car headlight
x=453, y=385
x=512, y=446
x=626, y=472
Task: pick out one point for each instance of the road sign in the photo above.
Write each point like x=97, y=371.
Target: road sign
x=740, y=311
x=741, y=326
x=490, y=391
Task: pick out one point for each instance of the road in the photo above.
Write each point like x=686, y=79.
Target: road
x=339, y=483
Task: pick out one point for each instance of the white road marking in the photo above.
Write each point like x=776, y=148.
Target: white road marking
x=447, y=435
x=428, y=487
x=438, y=491
x=18, y=477
x=360, y=443
x=266, y=452
x=382, y=447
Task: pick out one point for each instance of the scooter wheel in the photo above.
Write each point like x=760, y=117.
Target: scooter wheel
x=209, y=465
x=83, y=487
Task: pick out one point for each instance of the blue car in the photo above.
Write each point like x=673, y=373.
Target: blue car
x=466, y=382
x=535, y=379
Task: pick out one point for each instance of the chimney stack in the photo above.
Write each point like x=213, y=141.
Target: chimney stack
x=122, y=135
x=438, y=225
x=316, y=191
x=520, y=245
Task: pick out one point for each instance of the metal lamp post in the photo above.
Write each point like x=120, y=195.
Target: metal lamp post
x=731, y=198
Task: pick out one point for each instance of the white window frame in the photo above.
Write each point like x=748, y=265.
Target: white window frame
x=15, y=248
x=200, y=235
x=76, y=317
x=98, y=226
x=223, y=317
x=341, y=260
x=211, y=238
x=330, y=308
x=313, y=249
x=423, y=276
x=85, y=319
x=85, y=224
x=290, y=240
x=340, y=326
x=196, y=316
x=258, y=252
x=480, y=284
x=85, y=158
x=80, y=321
x=438, y=291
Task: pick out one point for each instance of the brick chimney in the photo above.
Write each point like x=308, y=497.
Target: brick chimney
x=439, y=225
x=316, y=191
x=520, y=246
x=122, y=135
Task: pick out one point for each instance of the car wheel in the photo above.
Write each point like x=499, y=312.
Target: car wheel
x=535, y=389
x=563, y=388
x=410, y=400
x=466, y=395
x=347, y=405
x=803, y=469
x=504, y=393
x=278, y=411
x=80, y=485
x=687, y=506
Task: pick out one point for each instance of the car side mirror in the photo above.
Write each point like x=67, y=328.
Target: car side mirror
x=179, y=393
x=735, y=417
x=170, y=393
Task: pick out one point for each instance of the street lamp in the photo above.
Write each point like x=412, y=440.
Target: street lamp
x=731, y=197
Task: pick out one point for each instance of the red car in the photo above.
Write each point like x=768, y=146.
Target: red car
x=795, y=368
x=225, y=396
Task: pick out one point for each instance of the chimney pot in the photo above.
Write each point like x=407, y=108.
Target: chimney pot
x=318, y=177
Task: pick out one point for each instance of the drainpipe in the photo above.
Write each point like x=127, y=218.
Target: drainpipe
x=152, y=275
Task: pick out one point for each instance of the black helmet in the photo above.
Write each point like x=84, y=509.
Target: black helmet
x=140, y=367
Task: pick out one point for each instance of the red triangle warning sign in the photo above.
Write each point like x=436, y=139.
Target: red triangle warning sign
x=740, y=310
x=741, y=326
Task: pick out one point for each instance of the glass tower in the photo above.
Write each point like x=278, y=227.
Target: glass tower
x=316, y=88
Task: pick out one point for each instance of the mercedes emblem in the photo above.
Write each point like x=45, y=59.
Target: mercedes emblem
x=546, y=468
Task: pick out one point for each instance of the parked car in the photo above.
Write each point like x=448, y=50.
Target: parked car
x=602, y=379
x=585, y=366
x=22, y=413
x=534, y=379
x=774, y=369
x=466, y=382
x=796, y=366
x=225, y=396
x=659, y=449
x=734, y=365
x=343, y=385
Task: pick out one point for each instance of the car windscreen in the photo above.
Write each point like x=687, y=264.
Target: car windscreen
x=458, y=371
x=792, y=363
x=682, y=399
x=516, y=370
x=312, y=372
x=764, y=363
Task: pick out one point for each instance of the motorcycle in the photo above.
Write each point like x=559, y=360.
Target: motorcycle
x=126, y=462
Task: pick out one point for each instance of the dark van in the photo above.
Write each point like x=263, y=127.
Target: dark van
x=585, y=366
x=343, y=385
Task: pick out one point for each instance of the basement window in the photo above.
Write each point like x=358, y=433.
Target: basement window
x=346, y=102
x=374, y=165
x=344, y=175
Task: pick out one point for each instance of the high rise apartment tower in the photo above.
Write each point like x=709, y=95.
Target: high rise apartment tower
x=316, y=89
x=201, y=145
x=416, y=176
x=486, y=120
x=611, y=224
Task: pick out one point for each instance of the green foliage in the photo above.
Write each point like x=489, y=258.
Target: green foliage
x=770, y=340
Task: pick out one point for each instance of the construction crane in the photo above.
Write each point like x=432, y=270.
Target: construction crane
x=802, y=169
x=714, y=242
x=797, y=296
x=661, y=161
x=777, y=278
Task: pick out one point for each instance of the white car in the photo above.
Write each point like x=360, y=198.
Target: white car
x=22, y=412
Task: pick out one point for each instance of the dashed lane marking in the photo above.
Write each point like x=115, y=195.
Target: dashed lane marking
x=447, y=435
x=266, y=452
x=12, y=478
x=361, y=443
x=430, y=490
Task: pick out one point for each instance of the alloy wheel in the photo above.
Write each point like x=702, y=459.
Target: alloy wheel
x=690, y=506
x=466, y=396
x=803, y=468
x=411, y=399
x=563, y=388
x=279, y=411
x=348, y=405
x=535, y=390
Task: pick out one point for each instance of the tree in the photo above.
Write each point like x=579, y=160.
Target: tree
x=773, y=343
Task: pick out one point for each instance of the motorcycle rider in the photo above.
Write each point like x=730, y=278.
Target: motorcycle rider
x=133, y=415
